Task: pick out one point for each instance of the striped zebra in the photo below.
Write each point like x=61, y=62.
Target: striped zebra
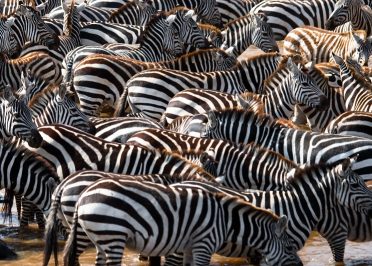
x=16, y=120
x=209, y=225
x=29, y=27
x=352, y=123
x=247, y=75
x=39, y=64
x=356, y=92
x=251, y=29
x=119, y=129
x=313, y=193
x=39, y=182
x=286, y=86
x=355, y=11
x=102, y=78
x=316, y=44
x=262, y=129
x=238, y=166
x=231, y=10
x=286, y=15
x=8, y=44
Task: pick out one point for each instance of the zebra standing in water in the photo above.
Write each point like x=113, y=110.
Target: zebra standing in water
x=262, y=129
x=154, y=85
x=286, y=15
x=92, y=92
x=357, y=91
x=247, y=30
x=209, y=225
x=316, y=44
x=355, y=11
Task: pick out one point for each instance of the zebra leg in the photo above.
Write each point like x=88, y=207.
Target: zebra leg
x=200, y=256
x=337, y=243
x=18, y=200
x=174, y=259
x=39, y=217
x=26, y=212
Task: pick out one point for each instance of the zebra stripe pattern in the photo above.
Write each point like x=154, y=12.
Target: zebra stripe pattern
x=8, y=44
x=207, y=226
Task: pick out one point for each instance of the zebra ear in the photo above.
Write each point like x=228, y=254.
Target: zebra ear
x=337, y=58
x=81, y=7
x=10, y=22
x=358, y=39
x=281, y=225
x=212, y=119
x=190, y=14
x=170, y=19
x=8, y=93
x=241, y=101
x=293, y=68
x=41, y=6
x=262, y=16
x=62, y=91
x=345, y=166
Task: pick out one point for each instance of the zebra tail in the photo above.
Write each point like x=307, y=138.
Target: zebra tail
x=51, y=232
x=7, y=205
x=69, y=257
x=122, y=105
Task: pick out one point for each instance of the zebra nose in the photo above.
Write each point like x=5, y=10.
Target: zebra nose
x=323, y=103
x=330, y=25
x=53, y=43
x=35, y=139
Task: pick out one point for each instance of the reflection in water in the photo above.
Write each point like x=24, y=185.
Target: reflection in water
x=29, y=247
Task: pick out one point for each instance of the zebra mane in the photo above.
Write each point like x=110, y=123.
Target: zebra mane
x=360, y=33
x=176, y=9
x=300, y=173
x=254, y=101
x=118, y=11
x=262, y=57
x=253, y=149
x=25, y=59
x=50, y=88
x=204, y=26
x=70, y=17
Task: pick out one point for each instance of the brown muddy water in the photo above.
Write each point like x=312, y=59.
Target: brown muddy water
x=29, y=246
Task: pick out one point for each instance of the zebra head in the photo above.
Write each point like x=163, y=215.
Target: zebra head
x=188, y=30
x=225, y=58
x=171, y=40
x=363, y=49
x=344, y=11
x=304, y=88
x=352, y=190
x=29, y=26
x=16, y=119
x=281, y=249
x=8, y=42
x=262, y=34
x=146, y=10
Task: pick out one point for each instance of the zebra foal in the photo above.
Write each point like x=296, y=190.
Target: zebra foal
x=166, y=230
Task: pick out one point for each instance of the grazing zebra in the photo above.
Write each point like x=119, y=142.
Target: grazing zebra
x=119, y=129
x=39, y=64
x=286, y=15
x=352, y=123
x=27, y=174
x=16, y=120
x=355, y=11
x=247, y=30
x=8, y=43
x=246, y=75
x=209, y=225
x=316, y=44
x=240, y=167
x=262, y=129
x=357, y=90
x=102, y=78
x=278, y=99
x=313, y=193
x=28, y=26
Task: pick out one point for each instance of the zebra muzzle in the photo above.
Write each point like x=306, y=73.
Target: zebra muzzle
x=35, y=139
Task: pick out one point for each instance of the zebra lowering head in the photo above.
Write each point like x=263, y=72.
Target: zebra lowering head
x=363, y=49
x=304, y=88
x=16, y=120
x=345, y=11
x=8, y=44
x=29, y=26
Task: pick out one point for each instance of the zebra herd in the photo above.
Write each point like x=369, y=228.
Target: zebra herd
x=141, y=124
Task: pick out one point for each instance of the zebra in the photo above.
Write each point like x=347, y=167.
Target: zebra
x=39, y=182
x=102, y=78
x=28, y=26
x=232, y=10
x=353, y=123
x=316, y=44
x=119, y=129
x=16, y=120
x=8, y=44
x=247, y=75
x=237, y=166
x=247, y=30
x=278, y=98
x=305, y=203
x=207, y=225
x=286, y=15
x=356, y=88
x=355, y=11
x=39, y=64
x=261, y=128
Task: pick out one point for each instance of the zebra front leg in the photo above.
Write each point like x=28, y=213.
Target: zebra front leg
x=201, y=257
x=337, y=243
